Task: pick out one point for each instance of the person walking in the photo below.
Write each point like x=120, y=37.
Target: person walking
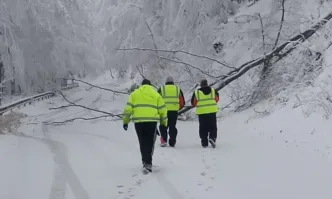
x=145, y=108
x=205, y=100
x=174, y=100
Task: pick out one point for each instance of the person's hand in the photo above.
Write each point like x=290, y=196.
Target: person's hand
x=157, y=132
x=125, y=126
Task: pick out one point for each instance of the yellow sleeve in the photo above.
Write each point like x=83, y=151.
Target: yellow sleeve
x=128, y=111
x=162, y=110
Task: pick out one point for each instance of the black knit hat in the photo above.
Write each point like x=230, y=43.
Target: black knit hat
x=146, y=82
x=204, y=82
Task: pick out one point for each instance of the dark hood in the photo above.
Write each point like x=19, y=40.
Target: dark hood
x=206, y=90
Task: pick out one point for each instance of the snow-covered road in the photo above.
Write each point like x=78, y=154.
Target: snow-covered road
x=99, y=160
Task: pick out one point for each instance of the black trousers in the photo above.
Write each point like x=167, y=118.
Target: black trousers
x=207, y=127
x=146, y=133
x=172, y=117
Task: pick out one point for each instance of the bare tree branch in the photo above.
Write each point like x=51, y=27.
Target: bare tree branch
x=88, y=108
x=78, y=118
x=60, y=107
x=102, y=88
x=73, y=104
x=5, y=81
x=180, y=51
x=151, y=34
x=263, y=34
x=142, y=75
x=281, y=23
x=187, y=68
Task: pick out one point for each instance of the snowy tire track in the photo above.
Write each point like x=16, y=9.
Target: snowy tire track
x=64, y=173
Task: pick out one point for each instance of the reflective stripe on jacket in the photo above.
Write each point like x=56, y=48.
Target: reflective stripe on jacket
x=145, y=105
x=170, y=94
x=206, y=103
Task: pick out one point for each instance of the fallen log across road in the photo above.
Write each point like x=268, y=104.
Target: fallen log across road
x=287, y=47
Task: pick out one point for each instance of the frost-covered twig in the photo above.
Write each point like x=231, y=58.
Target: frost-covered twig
x=229, y=104
x=180, y=51
x=102, y=88
x=2, y=83
x=2, y=86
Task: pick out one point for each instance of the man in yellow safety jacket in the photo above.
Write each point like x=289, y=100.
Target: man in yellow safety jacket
x=205, y=100
x=146, y=108
x=174, y=100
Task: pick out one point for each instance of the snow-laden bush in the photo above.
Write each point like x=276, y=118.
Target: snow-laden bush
x=10, y=122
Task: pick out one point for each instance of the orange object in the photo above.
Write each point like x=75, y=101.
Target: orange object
x=217, y=98
x=195, y=102
x=181, y=102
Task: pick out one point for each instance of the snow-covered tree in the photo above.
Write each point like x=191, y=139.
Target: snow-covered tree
x=43, y=40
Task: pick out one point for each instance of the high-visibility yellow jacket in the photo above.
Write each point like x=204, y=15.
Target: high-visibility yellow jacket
x=172, y=97
x=145, y=105
x=206, y=104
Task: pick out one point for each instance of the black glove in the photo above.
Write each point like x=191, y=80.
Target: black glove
x=125, y=126
x=157, y=132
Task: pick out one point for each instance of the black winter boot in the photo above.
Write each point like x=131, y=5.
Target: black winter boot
x=204, y=143
x=171, y=142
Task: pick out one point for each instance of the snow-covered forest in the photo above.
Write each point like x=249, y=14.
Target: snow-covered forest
x=270, y=61
x=44, y=41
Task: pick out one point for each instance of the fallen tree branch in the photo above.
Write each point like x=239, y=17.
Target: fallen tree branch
x=60, y=107
x=102, y=88
x=74, y=119
x=277, y=52
x=179, y=51
x=88, y=108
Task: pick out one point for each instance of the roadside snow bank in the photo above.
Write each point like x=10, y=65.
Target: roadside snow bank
x=10, y=122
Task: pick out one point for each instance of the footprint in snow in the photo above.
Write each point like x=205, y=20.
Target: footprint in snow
x=209, y=187
x=129, y=192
